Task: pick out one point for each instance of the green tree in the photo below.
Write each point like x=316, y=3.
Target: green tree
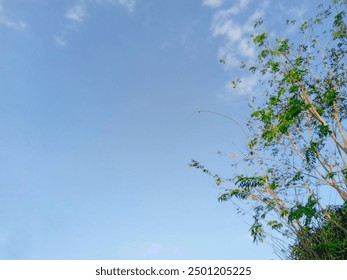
x=297, y=144
x=326, y=240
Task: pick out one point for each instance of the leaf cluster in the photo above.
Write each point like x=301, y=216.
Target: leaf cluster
x=297, y=143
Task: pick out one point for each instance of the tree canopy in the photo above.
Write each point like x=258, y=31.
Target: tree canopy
x=297, y=144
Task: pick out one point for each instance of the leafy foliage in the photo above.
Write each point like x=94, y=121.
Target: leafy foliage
x=327, y=240
x=297, y=143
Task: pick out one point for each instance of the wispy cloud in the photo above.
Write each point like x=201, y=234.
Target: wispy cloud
x=212, y=3
x=74, y=16
x=77, y=12
x=17, y=25
x=235, y=30
x=60, y=40
x=246, y=85
x=5, y=21
x=128, y=4
x=296, y=12
x=235, y=25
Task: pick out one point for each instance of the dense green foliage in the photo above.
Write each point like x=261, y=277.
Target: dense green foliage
x=297, y=145
x=325, y=241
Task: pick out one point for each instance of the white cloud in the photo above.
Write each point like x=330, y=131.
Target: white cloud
x=17, y=25
x=76, y=12
x=246, y=48
x=296, y=12
x=231, y=58
x=244, y=3
x=212, y=3
x=76, y=15
x=235, y=24
x=60, y=40
x=236, y=9
x=128, y=4
x=5, y=21
x=247, y=84
x=236, y=33
x=228, y=28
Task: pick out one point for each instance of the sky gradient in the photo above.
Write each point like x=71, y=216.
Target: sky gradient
x=99, y=122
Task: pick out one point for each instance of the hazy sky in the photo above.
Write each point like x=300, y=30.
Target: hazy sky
x=98, y=124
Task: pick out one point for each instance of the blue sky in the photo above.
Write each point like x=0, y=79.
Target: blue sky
x=98, y=124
